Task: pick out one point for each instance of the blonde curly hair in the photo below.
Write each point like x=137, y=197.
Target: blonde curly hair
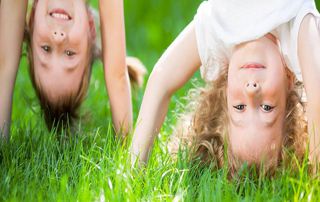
x=204, y=130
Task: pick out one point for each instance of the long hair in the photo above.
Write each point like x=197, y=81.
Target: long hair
x=204, y=129
x=61, y=113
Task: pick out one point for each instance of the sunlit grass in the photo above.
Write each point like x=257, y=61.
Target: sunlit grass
x=93, y=165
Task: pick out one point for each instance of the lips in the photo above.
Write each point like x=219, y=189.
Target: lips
x=60, y=14
x=253, y=66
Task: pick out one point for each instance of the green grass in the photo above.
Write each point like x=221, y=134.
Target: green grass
x=93, y=164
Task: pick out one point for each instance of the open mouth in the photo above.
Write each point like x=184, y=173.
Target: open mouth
x=60, y=14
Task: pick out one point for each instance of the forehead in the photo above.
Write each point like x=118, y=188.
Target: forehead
x=254, y=141
x=57, y=82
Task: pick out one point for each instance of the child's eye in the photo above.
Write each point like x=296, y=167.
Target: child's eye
x=239, y=107
x=46, y=48
x=69, y=53
x=267, y=108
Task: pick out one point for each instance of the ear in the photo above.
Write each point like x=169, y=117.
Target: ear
x=92, y=25
x=97, y=53
x=290, y=79
x=26, y=36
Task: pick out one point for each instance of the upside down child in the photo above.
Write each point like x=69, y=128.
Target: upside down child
x=62, y=46
x=253, y=56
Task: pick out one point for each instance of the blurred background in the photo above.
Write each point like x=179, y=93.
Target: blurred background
x=43, y=166
x=151, y=25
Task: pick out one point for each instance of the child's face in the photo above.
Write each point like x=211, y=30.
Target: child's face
x=61, y=45
x=256, y=97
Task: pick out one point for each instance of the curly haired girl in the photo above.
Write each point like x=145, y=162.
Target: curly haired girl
x=250, y=53
x=205, y=132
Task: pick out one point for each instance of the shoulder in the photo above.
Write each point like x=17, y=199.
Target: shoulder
x=309, y=31
x=310, y=20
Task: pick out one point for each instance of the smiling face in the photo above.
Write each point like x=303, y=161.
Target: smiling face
x=60, y=46
x=256, y=98
x=61, y=42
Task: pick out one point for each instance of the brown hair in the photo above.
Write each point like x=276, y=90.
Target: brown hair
x=205, y=130
x=61, y=113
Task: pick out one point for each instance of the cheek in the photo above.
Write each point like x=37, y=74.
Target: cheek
x=40, y=31
x=234, y=92
x=40, y=11
x=278, y=77
x=40, y=27
x=80, y=34
x=277, y=69
x=81, y=21
x=276, y=87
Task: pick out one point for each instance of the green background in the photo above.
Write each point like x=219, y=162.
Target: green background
x=94, y=165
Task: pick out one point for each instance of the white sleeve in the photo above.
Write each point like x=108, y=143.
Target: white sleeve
x=288, y=36
x=211, y=49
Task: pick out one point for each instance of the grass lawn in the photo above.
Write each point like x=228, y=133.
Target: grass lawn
x=93, y=165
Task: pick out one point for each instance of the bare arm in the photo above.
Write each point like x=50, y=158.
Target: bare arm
x=12, y=22
x=175, y=67
x=308, y=52
x=114, y=60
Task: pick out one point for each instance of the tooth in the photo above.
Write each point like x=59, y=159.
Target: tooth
x=60, y=16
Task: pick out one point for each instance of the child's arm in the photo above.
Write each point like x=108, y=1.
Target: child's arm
x=12, y=22
x=175, y=67
x=114, y=60
x=308, y=52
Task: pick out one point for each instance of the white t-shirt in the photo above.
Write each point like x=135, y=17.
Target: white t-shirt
x=222, y=24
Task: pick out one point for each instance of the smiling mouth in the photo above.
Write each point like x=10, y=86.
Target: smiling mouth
x=60, y=14
x=253, y=66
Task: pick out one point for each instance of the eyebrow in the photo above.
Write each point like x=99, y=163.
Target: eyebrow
x=37, y=55
x=265, y=123
x=44, y=62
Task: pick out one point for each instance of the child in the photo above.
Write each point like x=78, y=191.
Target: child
x=12, y=21
x=61, y=51
x=250, y=52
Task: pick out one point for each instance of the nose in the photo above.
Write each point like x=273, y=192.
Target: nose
x=252, y=88
x=59, y=36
